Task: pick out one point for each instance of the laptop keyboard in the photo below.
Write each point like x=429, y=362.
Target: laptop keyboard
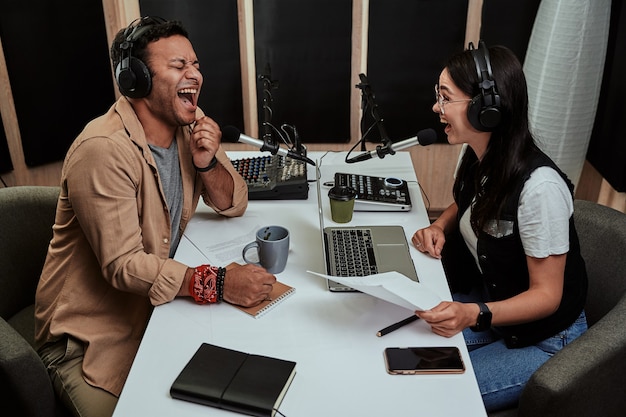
x=354, y=252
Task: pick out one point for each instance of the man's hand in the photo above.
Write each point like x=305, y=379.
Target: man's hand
x=206, y=137
x=247, y=285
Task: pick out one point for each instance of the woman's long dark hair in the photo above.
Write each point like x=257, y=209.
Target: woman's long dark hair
x=511, y=145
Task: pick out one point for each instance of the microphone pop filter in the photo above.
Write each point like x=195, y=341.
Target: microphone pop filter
x=230, y=134
x=427, y=137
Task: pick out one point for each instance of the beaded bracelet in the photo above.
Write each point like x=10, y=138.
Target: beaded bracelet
x=219, y=285
x=203, y=284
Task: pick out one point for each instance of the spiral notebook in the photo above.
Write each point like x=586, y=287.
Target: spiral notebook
x=279, y=292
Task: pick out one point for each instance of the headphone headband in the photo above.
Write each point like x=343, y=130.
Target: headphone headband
x=132, y=75
x=140, y=25
x=483, y=111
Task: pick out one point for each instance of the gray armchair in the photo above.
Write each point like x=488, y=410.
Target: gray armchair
x=26, y=219
x=588, y=377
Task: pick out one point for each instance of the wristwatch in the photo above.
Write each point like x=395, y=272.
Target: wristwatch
x=483, y=321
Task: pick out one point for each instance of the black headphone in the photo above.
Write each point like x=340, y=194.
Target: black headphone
x=483, y=111
x=132, y=75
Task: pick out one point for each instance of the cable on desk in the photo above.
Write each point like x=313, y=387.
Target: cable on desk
x=423, y=195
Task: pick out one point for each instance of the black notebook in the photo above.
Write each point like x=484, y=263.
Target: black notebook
x=235, y=381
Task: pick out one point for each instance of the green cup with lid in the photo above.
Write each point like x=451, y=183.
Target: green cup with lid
x=341, y=203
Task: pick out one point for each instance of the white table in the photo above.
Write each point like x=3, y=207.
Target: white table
x=331, y=336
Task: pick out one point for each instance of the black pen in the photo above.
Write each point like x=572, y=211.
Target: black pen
x=397, y=325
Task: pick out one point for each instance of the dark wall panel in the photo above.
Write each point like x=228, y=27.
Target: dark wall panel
x=607, y=148
x=307, y=45
x=408, y=43
x=213, y=31
x=58, y=64
x=509, y=23
x=410, y=40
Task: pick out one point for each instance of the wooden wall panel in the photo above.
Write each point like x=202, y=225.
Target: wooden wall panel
x=5, y=157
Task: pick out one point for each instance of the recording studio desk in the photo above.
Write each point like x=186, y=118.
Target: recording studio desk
x=331, y=336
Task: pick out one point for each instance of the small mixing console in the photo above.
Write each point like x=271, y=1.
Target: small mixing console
x=377, y=193
x=274, y=177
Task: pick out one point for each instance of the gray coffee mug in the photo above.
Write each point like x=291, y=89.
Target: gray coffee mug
x=272, y=245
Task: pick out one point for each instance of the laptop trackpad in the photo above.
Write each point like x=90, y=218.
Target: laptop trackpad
x=392, y=257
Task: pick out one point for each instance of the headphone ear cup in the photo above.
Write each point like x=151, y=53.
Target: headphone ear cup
x=124, y=76
x=484, y=119
x=133, y=78
x=490, y=118
x=473, y=112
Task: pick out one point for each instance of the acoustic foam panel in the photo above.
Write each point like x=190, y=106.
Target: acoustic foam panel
x=213, y=31
x=59, y=68
x=307, y=45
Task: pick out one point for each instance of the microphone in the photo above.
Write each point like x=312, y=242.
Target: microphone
x=232, y=134
x=424, y=137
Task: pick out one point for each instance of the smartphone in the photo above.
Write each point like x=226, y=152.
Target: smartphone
x=423, y=360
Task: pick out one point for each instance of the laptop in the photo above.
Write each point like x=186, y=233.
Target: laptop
x=362, y=250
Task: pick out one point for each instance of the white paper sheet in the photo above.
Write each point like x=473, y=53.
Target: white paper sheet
x=393, y=287
x=235, y=232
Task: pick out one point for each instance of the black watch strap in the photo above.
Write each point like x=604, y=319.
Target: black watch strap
x=483, y=320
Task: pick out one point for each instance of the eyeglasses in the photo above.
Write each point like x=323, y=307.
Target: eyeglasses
x=442, y=101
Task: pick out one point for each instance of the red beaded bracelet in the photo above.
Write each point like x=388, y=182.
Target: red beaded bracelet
x=203, y=284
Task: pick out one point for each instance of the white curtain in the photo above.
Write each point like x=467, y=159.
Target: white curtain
x=563, y=66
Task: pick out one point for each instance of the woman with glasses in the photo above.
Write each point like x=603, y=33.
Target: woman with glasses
x=508, y=242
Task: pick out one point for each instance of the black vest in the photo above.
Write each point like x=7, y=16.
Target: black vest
x=504, y=267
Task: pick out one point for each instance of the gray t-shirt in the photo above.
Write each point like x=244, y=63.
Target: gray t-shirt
x=171, y=180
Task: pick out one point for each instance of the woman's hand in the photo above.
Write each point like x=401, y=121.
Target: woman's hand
x=450, y=317
x=430, y=240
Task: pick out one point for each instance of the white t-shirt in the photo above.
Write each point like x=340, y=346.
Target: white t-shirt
x=544, y=210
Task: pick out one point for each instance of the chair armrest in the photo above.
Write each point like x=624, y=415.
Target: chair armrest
x=587, y=377
x=25, y=386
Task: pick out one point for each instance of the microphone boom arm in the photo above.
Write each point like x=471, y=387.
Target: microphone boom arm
x=368, y=100
x=269, y=130
x=269, y=144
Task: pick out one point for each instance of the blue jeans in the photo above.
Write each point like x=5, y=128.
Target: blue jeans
x=501, y=372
